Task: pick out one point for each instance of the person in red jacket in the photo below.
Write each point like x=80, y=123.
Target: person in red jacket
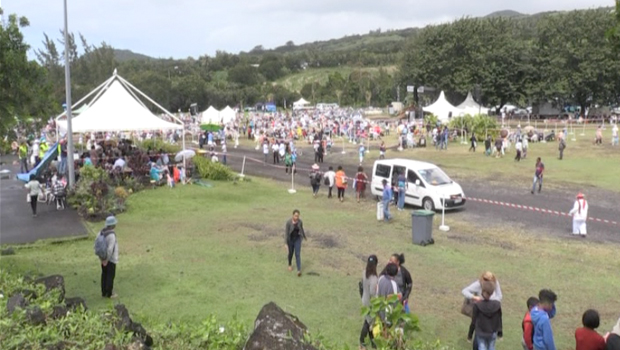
x=528, y=327
x=586, y=337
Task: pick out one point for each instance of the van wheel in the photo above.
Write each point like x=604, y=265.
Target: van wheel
x=428, y=204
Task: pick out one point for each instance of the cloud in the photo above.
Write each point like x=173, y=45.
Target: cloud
x=182, y=28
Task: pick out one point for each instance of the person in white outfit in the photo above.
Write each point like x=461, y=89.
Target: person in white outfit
x=580, y=215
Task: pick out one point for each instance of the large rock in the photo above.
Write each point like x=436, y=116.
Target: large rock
x=53, y=282
x=16, y=301
x=35, y=316
x=125, y=323
x=74, y=303
x=59, y=311
x=275, y=329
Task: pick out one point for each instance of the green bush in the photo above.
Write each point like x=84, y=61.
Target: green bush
x=212, y=171
x=157, y=144
x=93, y=196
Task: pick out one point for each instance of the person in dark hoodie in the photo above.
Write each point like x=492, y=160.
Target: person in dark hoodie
x=487, y=318
x=613, y=337
x=541, y=315
x=403, y=278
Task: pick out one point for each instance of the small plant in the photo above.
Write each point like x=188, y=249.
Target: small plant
x=394, y=325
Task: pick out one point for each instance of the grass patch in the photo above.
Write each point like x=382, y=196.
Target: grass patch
x=192, y=251
x=320, y=75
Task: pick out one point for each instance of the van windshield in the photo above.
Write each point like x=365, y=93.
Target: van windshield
x=435, y=177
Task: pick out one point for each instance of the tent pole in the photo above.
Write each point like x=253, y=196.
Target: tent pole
x=150, y=100
x=134, y=95
x=184, y=163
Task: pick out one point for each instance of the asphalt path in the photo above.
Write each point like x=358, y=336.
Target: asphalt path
x=17, y=225
x=604, y=205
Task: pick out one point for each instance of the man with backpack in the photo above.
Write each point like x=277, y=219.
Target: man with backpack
x=106, y=248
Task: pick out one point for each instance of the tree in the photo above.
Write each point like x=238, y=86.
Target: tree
x=24, y=90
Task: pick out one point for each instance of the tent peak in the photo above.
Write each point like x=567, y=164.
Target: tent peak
x=115, y=72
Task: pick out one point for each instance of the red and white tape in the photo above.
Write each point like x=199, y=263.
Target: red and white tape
x=540, y=210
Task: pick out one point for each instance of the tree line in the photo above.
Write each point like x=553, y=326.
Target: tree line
x=563, y=58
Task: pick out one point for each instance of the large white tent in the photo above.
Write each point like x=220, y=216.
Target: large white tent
x=301, y=103
x=116, y=107
x=210, y=116
x=442, y=108
x=471, y=107
x=227, y=115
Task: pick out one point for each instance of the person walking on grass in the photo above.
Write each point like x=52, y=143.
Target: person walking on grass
x=538, y=175
x=586, y=338
x=386, y=199
x=614, y=135
x=369, y=291
x=473, y=293
x=474, y=142
x=360, y=183
x=519, y=149
x=293, y=234
x=382, y=150
x=401, y=183
x=341, y=183
x=613, y=337
x=106, y=248
x=330, y=180
x=541, y=316
x=486, y=319
x=315, y=179
x=34, y=188
x=561, y=148
x=403, y=279
x=526, y=325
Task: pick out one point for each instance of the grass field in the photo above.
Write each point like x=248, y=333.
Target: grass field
x=584, y=164
x=193, y=251
x=320, y=75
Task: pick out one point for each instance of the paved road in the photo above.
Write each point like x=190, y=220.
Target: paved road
x=603, y=204
x=16, y=222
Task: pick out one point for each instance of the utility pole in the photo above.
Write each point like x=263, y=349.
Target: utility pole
x=69, y=135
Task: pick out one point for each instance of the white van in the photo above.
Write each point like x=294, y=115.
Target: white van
x=427, y=185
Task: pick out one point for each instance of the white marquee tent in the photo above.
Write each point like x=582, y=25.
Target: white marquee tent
x=300, y=103
x=227, y=115
x=116, y=107
x=471, y=107
x=211, y=115
x=442, y=108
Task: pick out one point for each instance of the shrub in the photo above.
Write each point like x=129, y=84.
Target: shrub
x=157, y=144
x=212, y=171
x=92, y=196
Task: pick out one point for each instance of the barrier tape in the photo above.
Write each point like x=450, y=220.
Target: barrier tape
x=535, y=209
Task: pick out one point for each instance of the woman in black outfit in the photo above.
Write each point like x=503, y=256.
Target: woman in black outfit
x=403, y=279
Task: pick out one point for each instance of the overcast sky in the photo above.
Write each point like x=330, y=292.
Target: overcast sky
x=182, y=28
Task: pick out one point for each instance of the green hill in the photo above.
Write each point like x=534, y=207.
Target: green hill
x=128, y=55
x=320, y=75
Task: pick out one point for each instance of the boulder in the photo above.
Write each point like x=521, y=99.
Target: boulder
x=74, y=303
x=29, y=294
x=35, y=316
x=16, y=301
x=137, y=344
x=110, y=347
x=53, y=282
x=126, y=324
x=59, y=311
x=7, y=251
x=61, y=345
x=275, y=329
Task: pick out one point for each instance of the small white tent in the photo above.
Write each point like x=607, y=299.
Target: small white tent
x=442, y=108
x=300, y=103
x=210, y=116
x=227, y=115
x=471, y=107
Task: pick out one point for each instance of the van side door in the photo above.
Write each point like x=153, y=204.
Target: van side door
x=382, y=172
x=415, y=188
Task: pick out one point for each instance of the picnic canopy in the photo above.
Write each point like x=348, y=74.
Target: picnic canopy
x=442, y=108
x=227, y=115
x=471, y=107
x=211, y=115
x=116, y=107
x=300, y=103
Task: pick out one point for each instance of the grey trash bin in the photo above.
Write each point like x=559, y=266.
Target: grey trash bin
x=422, y=227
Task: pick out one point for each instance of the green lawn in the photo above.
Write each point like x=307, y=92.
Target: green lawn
x=193, y=251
